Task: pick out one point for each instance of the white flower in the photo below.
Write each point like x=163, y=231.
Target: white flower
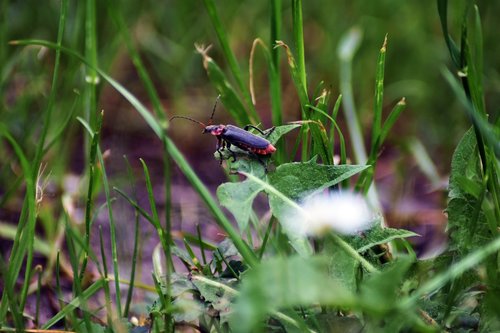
x=342, y=212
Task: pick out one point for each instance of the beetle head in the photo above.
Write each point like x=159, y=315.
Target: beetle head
x=214, y=129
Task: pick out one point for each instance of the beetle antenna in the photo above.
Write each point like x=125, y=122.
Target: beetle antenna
x=213, y=111
x=191, y=119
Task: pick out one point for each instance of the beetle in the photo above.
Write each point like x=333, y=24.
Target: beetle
x=228, y=135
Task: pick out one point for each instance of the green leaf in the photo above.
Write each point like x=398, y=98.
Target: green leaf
x=296, y=180
x=226, y=249
x=333, y=323
x=342, y=267
x=216, y=294
x=378, y=235
x=461, y=164
x=187, y=309
x=384, y=285
x=467, y=223
x=279, y=131
x=285, y=283
x=179, y=284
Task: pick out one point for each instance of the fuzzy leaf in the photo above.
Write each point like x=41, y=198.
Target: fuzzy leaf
x=296, y=180
x=467, y=223
x=238, y=199
x=285, y=283
x=216, y=296
x=378, y=235
x=342, y=267
x=462, y=164
x=384, y=285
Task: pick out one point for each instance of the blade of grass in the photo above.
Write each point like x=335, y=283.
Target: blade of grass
x=71, y=238
x=38, y=271
x=443, y=17
x=475, y=66
x=191, y=238
x=390, y=121
x=266, y=238
x=3, y=35
x=200, y=241
x=274, y=72
x=230, y=57
x=162, y=234
x=94, y=137
x=112, y=229
x=298, y=39
x=59, y=292
x=75, y=303
x=91, y=76
x=165, y=239
x=119, y=21
x=365, y=180
x=335, y=112
x=157, y=106
x=379, y=93
x=39, y=153
x=233, y=103
x=274, y=89
x=348, y=46
x=8, y=231
x=9, y=299
x=107, y=297
x=195, y=259
x=321, y=144
x=453, y=272
x=53, y=90
x=424, y=161
x=303, y=137
x=23, y=243
x=128, y=301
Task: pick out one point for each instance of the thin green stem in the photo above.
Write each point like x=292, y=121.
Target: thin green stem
x=298, y=37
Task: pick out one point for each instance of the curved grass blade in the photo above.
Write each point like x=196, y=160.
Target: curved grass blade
x=230, y=57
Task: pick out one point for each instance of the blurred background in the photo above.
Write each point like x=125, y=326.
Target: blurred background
x=165, y=32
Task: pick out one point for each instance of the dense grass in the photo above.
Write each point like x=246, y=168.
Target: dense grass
x=106, y=68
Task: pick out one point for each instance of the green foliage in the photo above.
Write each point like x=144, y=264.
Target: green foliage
x=267, y=274
x=302, y=282
x=467, y=224
x=377, y=236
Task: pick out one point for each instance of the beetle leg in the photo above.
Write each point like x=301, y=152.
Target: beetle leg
x=264, y=133
x=271, y=130
x=247, y=127
x=233, y=154
x=220, y=146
